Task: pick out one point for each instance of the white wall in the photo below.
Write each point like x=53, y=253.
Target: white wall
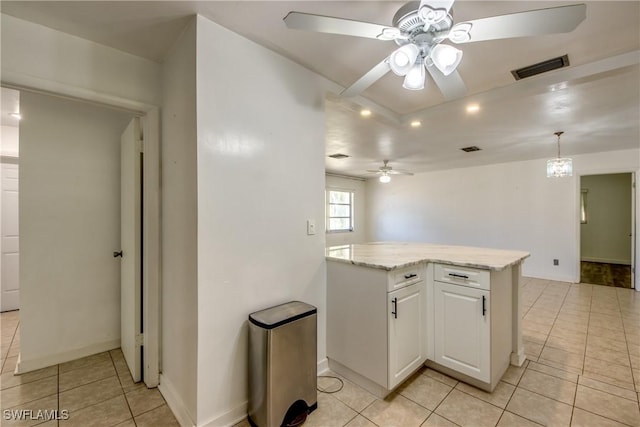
x=510, y=205
x=358, y=235
x=40, y=57
x=260, y=177
x=179, y=228
x=69, y=227
x=605, y=236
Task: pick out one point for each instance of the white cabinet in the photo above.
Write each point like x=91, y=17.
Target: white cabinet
x=407, y=332
x=462, y=329
x=472, y=317
x=376, y=324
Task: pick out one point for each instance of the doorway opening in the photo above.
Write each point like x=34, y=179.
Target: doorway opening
x=147, y=302
x=607, y=229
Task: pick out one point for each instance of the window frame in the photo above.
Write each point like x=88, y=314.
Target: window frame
x=328, y=217
x=584, y=217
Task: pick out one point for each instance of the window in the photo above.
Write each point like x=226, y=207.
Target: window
x=583, y=206
x=339, y=210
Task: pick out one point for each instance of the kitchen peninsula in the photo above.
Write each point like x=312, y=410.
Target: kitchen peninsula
x=393, y=307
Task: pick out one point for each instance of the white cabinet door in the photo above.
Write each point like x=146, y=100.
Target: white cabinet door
x=407, y=331
x=462, y=329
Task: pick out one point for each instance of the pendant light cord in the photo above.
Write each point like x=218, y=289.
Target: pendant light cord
x=558, y=135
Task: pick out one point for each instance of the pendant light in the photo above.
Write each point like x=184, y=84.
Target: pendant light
x=559, y=167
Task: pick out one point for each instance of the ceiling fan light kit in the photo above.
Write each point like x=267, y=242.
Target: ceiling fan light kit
x=419, y=28
x=385, y=179
x=446, y=58
x=415, y=78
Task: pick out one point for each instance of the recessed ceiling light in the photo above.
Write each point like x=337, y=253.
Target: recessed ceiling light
x=473, y=108
x=365, y=112
x=416, y=123
x=15, y=115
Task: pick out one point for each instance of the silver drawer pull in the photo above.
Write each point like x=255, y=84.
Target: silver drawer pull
x=458, y=276
x=410, y=275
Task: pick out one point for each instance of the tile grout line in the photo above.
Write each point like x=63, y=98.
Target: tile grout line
x=122, y=387
x=627, y=345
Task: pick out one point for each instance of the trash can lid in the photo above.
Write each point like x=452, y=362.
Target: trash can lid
x=281, y=314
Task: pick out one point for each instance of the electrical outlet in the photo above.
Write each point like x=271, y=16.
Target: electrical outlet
x=556, y=262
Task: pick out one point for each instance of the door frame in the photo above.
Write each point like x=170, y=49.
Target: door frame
x=151, y=220
x=635, y=207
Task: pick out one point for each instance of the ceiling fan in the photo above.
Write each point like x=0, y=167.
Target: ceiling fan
x=385, y=171
x=420, y=28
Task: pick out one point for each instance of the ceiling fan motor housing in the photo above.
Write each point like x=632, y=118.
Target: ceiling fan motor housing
x=409, y=22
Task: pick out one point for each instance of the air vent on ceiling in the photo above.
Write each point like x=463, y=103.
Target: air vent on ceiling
x=338, y=156
x=541, y=67
x=470, y=149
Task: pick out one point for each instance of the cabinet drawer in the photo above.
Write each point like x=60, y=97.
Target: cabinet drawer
x=472, y=277
x=405, y=276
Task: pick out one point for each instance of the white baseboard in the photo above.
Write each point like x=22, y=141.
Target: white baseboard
x=229, y=418
x=239, y=413
x=553, y=279
x=606, y=260
x=24, y=366
x=323, y=366
x=175, y=403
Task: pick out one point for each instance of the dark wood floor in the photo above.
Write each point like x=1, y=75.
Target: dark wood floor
x=597, y=273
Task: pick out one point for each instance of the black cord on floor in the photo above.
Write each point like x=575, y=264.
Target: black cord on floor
x=331, y=391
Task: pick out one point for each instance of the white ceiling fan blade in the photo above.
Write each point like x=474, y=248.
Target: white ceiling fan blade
x=434, y=11
x=374, y=171
x=399, y=172
x=368, y=79
x=561, y=19
x=451, y=86
x=348, y=27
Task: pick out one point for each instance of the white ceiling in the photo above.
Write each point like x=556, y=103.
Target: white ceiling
x=595, y=101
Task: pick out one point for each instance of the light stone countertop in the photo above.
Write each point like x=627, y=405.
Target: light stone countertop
x=393, y=255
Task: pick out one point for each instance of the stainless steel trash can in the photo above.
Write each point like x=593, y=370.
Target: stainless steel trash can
x=282, y=364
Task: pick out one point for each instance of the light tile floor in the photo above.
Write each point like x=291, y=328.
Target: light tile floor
x=583, y=369
x=582, y=342
x=96, y=391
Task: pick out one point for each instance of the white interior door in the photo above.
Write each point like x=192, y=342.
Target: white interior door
x=131, y=238
x=9, y=261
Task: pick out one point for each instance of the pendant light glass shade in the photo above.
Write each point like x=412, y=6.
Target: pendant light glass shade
x=414, y=80
x=385, y=178
x=559, y=167
x=402, y=59
x=446, y=58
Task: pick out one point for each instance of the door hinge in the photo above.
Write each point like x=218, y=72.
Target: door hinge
x=139, y=339
x=140, y=144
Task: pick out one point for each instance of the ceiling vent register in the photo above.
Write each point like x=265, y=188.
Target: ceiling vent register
x=541, y=67
x=470, y=149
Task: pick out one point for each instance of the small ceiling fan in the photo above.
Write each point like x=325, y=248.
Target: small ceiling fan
x=420, y=28
x=385, y=171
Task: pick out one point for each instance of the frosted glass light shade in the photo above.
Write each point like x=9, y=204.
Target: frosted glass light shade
x=559, y=167
x=403, y=58
x=385, y=179
x=414, y=80
x=446, y=58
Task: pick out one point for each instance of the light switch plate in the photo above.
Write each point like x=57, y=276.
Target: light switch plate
x=311, y=227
